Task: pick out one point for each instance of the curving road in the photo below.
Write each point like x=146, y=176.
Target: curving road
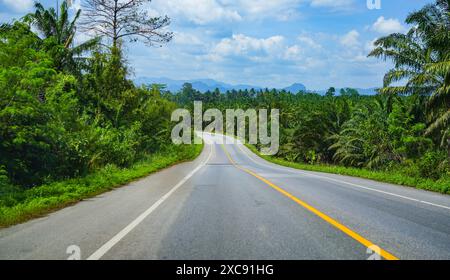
x=230, y=204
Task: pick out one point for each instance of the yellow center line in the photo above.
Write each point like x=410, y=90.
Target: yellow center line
x=385, y=254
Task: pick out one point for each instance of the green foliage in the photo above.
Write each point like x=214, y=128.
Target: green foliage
x=364, y=140
x=330, y=92
x=400, y=176
x=34, y=99
x=20, y=205
x=5, y=186
x=408, y=138
x=378, y=133
x=60, y=119
x=433, y=164
x=72, y=126
x=422, y=59
x=58, y=33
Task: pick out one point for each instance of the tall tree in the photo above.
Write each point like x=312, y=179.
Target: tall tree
x=120, y=19
x=58, y=27
x=330, y=92
x=422, y=59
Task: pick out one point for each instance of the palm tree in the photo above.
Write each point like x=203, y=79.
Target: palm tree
x=422, y=59
x=57, y=27
x=364, y=140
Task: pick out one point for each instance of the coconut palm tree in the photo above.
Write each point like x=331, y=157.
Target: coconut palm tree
x=422, y=58
x=60, y=30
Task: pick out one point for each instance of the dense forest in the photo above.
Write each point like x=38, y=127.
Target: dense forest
x=406, y=127
x=68, y=109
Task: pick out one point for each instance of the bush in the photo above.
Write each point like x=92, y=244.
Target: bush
x=4, y=181
x=433, y=165
x=398, y=175
x=18, y=205
x=56, y=126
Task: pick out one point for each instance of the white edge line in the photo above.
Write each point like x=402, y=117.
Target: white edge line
x=340, y=181
x=113, y=241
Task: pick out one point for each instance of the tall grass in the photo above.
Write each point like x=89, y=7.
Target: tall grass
x=18, y=205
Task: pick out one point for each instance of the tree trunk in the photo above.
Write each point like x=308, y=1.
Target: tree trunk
x=115, y=24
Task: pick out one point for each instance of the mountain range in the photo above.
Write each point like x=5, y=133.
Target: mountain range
x=204, y=85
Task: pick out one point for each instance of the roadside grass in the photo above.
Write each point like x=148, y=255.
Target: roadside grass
x=18, y=206
x=398, y=177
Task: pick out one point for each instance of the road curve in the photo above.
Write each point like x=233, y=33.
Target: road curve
x=231, y=204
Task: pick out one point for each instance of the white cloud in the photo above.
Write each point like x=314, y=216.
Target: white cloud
x=263, y=6
x=233, y=41
x=183, y=38
x=271, y=50
x=307, y=41
x=199, y=11
x=19, y=5
x=292, y=53
x=387, y=26
x=351, y=39
x=76, y=5
x=370, y=45
x=279, y=9
x=332, y=3
x=208, y=11
x=359, y=57
x=242, y=45
x=282, y=9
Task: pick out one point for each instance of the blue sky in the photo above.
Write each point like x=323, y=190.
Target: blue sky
x=270, y=43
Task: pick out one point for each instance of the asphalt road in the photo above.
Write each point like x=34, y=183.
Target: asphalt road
x=230, y=204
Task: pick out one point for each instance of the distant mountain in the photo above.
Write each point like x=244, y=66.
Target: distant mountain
x=201, y=85
x=295, y=88
x=204, y=85
x=362, y=91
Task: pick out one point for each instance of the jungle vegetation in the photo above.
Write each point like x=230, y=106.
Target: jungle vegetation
x=72, y=123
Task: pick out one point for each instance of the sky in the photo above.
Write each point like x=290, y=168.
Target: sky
x=266, y=43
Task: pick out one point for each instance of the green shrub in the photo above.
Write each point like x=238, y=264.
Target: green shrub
x=432, y=164
x=18, y=205
x=397, y=176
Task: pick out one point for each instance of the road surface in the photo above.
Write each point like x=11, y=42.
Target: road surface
x=230, y=204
